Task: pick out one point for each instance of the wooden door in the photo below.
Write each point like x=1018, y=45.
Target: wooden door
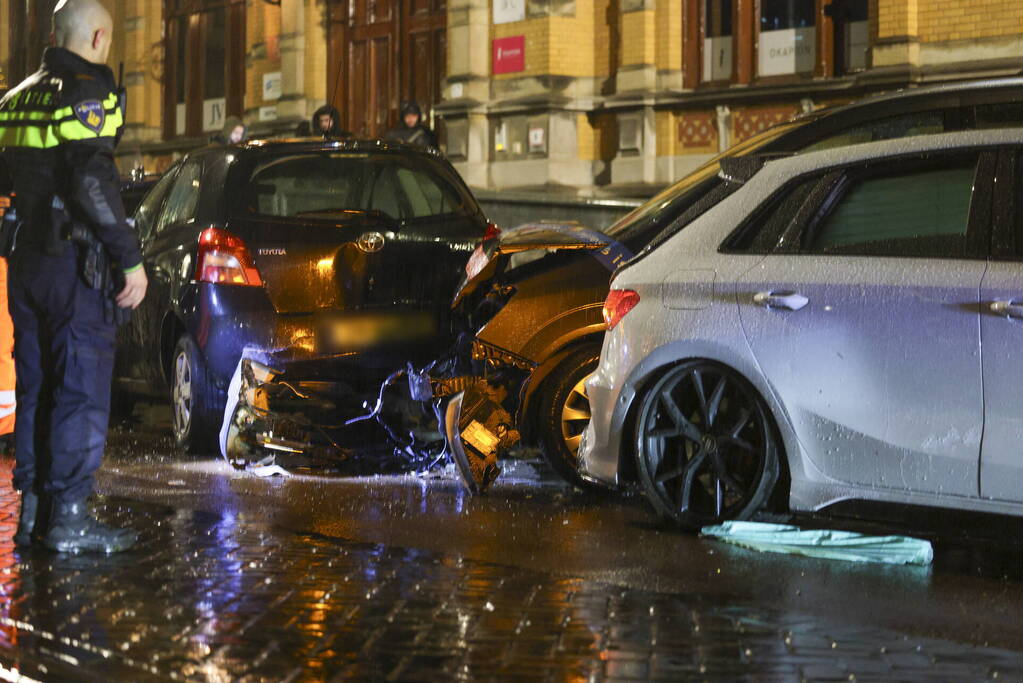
x=381, y=53
x=425, y=57
x=363, y=51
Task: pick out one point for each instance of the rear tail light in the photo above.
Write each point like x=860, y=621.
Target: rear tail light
x=479, y=258
x=224, y=260
x=492, y=232
x=618, y=303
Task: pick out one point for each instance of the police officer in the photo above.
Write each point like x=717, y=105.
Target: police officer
x=58, y=130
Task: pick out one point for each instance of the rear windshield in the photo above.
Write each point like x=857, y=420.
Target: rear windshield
x=329, y=185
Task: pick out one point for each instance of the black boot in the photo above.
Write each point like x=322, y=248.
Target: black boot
x=73, y=530
x=27, y=518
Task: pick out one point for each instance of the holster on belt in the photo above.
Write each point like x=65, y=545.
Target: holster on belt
x=95, y=266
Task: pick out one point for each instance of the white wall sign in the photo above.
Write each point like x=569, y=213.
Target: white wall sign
x=857, y=42
x=507, y=11
x=272, y=86
x=789, y=51
x=537, y=139
x=213, y=114
x=179, y=119
x=268, y=113
x=717, y=59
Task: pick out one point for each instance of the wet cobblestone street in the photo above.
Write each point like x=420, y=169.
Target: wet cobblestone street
x=225, y=596
x=242, y=578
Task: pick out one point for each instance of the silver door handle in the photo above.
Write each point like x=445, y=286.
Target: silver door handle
x=791, y=301
x=1007, y=308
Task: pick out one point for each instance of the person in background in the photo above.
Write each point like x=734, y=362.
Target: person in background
x=412, y=129
x=302, y=130
x=327, y=122
x=233, y=133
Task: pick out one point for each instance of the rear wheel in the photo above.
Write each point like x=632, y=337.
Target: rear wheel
x=194, y=400
x=705, y=448
x=565, y=411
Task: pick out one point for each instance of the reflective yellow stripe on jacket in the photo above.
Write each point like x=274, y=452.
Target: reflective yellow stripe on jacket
x=42, y=130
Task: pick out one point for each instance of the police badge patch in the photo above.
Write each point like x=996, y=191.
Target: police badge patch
x=91, y=114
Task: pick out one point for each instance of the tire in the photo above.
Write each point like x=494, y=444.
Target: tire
x=705, y=446
x=195, y=400
x=565, y=411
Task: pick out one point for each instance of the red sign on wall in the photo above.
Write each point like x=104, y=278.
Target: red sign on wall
x=509, y=54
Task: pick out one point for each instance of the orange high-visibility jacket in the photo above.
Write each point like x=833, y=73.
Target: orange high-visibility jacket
x=7, y=377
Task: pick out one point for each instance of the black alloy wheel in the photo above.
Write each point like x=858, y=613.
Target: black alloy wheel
x=193, y=400
x=565, y=411
x=705, y=446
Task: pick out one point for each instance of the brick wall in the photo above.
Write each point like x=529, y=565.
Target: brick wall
x=668, y=15
x=941, y=20
x=638, y=37
x=596, y=136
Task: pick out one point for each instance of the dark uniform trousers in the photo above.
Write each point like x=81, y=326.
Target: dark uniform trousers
x=64, y=359
x=58, y=131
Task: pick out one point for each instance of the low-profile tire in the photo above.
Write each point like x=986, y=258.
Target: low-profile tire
x=705, y=446
x=194, y=400
x=565, y=411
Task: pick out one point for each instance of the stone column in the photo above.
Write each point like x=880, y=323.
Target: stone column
x=467, y=89
x=895, y=36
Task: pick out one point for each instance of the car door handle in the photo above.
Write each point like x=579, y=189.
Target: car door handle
x=1007, y=308
x=791, y=301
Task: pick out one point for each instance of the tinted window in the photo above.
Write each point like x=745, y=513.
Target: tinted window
x=761, y=233
x=328, y=185
x=183, y=198
x=920, y=123
x=923, y=212
x=1000, y=115
x=645, y=222
x=145, y=215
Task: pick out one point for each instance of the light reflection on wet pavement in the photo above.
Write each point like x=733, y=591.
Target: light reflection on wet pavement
x=401, y=578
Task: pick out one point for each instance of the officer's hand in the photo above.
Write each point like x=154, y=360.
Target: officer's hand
x=134, y=291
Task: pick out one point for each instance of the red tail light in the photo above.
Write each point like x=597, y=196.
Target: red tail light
x=224, y=260
x=479, y=258
x=618, y=303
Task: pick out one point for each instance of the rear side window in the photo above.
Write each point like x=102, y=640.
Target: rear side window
x=327, y=186
x=1000, y=115
x=183, y=198
x=145, y=215
x=918, y=212
x=891, y=128
x=761, y=233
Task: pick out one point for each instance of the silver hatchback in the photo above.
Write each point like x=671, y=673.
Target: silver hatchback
x=843, y=325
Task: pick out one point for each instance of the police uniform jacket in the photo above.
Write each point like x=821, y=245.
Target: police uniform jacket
x=58, y=130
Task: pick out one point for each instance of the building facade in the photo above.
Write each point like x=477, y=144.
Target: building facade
x=582, y=97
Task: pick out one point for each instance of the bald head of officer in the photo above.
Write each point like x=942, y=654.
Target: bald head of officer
x=84, y=27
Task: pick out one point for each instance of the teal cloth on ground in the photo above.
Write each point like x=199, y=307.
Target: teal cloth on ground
x=823, y=543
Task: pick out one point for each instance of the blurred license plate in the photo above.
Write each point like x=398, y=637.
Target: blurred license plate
x=360, y=331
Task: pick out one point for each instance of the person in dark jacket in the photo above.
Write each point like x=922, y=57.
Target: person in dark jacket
x=58, y=130
x=234, y=132
x=412, y=129
x=327, y=122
